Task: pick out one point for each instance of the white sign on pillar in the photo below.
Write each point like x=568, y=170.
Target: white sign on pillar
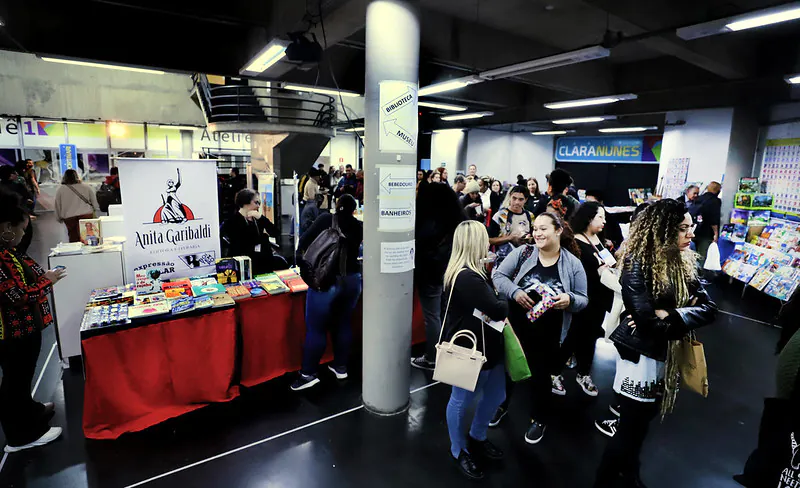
x=399, y=117
x=397, y=197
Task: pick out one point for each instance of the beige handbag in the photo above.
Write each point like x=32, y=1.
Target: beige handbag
x=456, y=365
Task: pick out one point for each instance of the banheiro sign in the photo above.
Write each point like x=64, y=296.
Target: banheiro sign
x=170, y=213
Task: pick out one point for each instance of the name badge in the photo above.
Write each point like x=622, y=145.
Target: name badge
x=608, y=258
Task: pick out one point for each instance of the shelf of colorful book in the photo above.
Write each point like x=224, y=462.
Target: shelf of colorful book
x=771, y=271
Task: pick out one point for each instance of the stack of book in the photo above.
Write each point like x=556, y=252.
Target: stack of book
x=272, y=284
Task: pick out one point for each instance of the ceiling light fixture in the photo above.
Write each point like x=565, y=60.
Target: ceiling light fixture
x=587, y=102
x=101, y=65
x=355, y=129
x=584, y=120
x=613, y=130
x=793, y=79
x=324, y=91
x=116, y=129
x=550, y=62
x=549, y=133
x=447, y=131
x=268, y=56
x=760, y=18
x=443, y=106
x=448, y=85
x=473, y=115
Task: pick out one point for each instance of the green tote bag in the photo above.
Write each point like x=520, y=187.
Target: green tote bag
x=516, y=362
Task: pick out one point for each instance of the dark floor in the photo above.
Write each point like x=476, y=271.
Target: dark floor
x=701, y=445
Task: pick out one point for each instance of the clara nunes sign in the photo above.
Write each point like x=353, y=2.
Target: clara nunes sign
x=171, y=219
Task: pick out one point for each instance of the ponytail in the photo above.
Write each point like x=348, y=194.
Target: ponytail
x=567, y=240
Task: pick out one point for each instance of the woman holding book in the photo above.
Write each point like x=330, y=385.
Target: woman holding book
x=545, y=284
x=248, y=231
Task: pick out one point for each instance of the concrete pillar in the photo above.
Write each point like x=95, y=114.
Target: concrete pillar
x=392, y=54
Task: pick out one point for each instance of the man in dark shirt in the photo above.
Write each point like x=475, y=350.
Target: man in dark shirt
x=689, y=197
x=706, y=214
x=557, y=184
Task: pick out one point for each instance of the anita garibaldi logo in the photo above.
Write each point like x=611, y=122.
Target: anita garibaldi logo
x=174, y=222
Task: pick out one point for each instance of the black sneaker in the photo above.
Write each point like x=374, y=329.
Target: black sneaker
x=468, y=466
x=422, y=363
x=607, y=427
x=303, y=381
x=498, y=416
x=535, y=433
x=484, y=449
x=339, y=371
x=615, y=409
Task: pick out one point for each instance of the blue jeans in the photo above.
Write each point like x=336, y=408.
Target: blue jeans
x=492, y=390
x=331, y=309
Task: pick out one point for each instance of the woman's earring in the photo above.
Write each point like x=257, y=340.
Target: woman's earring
x=4, y=236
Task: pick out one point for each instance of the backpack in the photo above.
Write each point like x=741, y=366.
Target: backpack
x=107, y=195
x=326, y=258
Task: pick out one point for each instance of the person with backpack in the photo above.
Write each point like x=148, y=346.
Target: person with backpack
x=330, y=266
x=109, y=192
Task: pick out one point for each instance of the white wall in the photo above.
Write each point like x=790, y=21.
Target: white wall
x=448, y=149
x=343, y=146
x=35, y=88
x=705, y=139
x=504, y=155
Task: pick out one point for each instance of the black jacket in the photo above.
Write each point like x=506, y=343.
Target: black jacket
x=243, y=237
x=472, y=292
x=351, y=227
x=471, y=213
x=438, y=215
x=651, y=334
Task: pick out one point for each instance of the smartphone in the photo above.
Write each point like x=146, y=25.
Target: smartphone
x=59, y=267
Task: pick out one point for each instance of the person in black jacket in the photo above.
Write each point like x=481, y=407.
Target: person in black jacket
x=664, y=302
x=332, y=308
x=471, y=202
x=469, y=290
x=248, y=233
x=437, y=218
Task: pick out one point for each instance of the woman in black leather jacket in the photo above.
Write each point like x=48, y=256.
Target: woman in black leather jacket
x=664, y=302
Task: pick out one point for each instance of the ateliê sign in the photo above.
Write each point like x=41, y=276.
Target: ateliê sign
x=626, y=149
x=171, y=222
x=221, y=140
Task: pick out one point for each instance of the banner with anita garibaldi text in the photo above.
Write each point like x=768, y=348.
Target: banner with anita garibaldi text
x=171, y=219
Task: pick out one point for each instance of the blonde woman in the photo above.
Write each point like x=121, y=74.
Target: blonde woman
x=664, y=302
x=472, y=291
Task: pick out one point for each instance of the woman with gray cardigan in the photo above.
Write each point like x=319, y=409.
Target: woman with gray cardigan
x=545, y=284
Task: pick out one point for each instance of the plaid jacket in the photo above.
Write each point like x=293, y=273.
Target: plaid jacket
x=24, y=307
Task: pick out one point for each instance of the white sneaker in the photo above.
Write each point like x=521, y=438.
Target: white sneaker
x=587, y=385
x=47, y=438
x=558, y=385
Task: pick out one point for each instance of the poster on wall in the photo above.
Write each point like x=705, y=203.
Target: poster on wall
x=399, y=117
x=627, y=149
x=674, y=182
x=780, y=174
x=397, y=198
x=171, y=220
x=266, y=192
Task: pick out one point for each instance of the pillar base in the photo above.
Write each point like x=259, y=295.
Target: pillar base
x=381, y=413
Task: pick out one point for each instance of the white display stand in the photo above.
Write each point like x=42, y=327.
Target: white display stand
x=113, y=226
x=115, y=210
x=85, y=272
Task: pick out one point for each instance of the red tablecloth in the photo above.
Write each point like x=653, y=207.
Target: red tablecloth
x=273, y=330
x=140, y=377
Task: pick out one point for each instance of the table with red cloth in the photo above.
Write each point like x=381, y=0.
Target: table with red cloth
x=140, y=376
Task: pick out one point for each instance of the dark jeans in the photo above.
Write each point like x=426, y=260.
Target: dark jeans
x=430, y=298
x=581, y=340
x=541, y=343
x=622, y=452
x=330, y=310
x=22, y=418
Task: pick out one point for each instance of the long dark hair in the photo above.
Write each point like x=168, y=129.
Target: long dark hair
x=11, y=208
x=70, y=177
x=584, y=216
x=567, y=236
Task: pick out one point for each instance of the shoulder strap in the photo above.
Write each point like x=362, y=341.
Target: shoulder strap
x=447, y=309
x=85, y=200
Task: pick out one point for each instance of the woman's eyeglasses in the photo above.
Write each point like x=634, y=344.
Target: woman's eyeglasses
x=685, y=229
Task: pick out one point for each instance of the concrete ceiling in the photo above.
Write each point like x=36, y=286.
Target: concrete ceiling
x=458, y=37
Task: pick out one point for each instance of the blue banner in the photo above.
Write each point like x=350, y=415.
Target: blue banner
x=618, y=149
x=69, y=157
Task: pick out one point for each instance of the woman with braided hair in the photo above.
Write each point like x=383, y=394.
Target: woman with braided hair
x=664, y=302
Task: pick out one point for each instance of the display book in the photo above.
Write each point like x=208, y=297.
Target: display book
x=771, y=261
x=751, y=195
x=120, y=305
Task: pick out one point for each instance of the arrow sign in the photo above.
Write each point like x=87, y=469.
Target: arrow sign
x=397, y=103
x=391, y=127
x=388, y=184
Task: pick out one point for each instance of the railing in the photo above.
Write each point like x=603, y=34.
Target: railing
x=245, y=103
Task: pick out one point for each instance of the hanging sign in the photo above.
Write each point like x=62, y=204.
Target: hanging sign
x=397, y=198
x=397, y=257
x=398, y=117
x=627, y=149
x=171, y=220
x=69, y=157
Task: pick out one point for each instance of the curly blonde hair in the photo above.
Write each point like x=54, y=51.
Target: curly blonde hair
x=653, y=243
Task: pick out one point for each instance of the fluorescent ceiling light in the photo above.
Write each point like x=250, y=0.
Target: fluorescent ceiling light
x=447, y=131
x=178, y=127
x=448, y=85
x=355, y=129
x=473, y=115
x=584, y=120
x=613, y=130
x=760, y=18
x=269, y=55
x=101, y=65
x=324, y=91
x=550, y=62
x=751, y=22
x=586, y=102
x=793, y=79
x=549, y=133
x=443, y=106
